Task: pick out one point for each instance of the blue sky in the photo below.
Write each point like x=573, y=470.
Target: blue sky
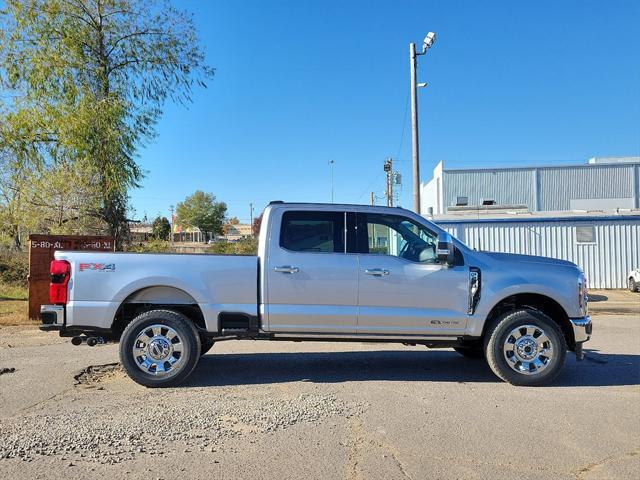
x=299, y=83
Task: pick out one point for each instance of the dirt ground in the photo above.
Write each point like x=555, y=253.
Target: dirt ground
x=320, y=410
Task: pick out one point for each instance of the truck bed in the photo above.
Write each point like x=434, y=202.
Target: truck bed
x=101, y=282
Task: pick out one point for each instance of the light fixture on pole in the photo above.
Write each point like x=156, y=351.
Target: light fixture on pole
x=413, y=55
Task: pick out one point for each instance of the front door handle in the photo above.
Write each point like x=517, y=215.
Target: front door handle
x=377, y=272
x=286, y=269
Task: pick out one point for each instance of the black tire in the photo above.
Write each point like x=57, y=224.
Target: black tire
x=189, y=345
x=206, y=344
x=473, y=352
x=633, y=286
x=502, y=331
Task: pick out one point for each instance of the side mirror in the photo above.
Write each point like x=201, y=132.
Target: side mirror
x=446, y=250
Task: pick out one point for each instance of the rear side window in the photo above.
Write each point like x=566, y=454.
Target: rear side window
x=320, y=232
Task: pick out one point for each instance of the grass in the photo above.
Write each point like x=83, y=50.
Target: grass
x=14, y=306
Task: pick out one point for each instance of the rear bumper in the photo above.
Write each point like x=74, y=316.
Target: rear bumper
x=582, y=328
x=51, y=317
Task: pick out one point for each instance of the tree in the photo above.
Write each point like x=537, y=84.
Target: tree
x=161, y=228
x=202, y=211
x=257, y=223
x=89, y=80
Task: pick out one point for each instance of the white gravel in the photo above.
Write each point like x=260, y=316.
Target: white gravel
x=152, y=420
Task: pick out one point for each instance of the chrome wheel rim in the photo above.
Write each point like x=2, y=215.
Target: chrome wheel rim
x=528, y=350
x=157, y=350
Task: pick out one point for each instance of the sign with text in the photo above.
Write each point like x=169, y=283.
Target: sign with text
x=41, y=250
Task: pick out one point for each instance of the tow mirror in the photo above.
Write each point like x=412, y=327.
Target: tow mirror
x=446, y=249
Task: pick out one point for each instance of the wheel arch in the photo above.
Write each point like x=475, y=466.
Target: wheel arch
x=165, y=297
x=537, y=302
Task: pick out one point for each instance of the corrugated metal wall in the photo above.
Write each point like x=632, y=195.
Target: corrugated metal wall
x=559, y=185
x=544, y=188
x=606, y=261
x=506, y=187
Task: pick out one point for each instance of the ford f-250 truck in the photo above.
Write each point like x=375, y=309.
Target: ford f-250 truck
x=325, y=272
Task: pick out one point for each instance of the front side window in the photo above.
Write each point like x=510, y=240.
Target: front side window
x=398, y=236
x=306, y=231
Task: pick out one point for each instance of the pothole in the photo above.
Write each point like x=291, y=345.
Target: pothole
x=94, y=374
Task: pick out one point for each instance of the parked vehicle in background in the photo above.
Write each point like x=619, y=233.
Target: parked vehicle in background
x=633, y=280
x=326, y=272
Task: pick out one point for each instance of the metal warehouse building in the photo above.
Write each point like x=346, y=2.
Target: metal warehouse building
x=601, y=184
x=588, y=214
x=605, y=246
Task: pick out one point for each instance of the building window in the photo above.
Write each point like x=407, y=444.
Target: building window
x=586, y=234
x=462, y=201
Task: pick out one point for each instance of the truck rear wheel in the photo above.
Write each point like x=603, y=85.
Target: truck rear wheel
x=525, y=347
x=159, y=348
x=633, y=286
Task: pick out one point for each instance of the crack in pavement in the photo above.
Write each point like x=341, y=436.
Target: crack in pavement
x=595, y=466
x=362, y=436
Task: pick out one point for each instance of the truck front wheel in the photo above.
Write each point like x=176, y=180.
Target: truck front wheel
x=525, y=347
x=159, y=348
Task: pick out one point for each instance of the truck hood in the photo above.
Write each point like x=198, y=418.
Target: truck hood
x=517, y=258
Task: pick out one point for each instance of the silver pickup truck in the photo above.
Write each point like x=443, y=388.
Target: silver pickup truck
x=325, y=272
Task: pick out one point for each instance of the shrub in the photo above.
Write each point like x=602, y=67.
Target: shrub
x=152, y=246
x=244, y=246
x=14, y=267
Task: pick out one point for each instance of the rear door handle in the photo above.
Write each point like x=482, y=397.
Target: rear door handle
x=286, y=269
x=377, y=272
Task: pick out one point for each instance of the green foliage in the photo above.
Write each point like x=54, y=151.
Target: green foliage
x=14, y=268
x=202, y=211
x=89, y=79
x=244, y=246
x=153, y=246
x=161, y=228
x=13, y=292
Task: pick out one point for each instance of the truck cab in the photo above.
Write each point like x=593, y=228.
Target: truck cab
x=327, y=272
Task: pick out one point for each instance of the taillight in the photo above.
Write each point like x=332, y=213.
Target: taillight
x=60, y=273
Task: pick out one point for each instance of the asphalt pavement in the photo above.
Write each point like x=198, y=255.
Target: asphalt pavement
x=319, y=410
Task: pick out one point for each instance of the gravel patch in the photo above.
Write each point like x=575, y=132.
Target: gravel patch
x=152, y=423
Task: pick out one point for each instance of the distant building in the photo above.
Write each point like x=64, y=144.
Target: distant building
x=140, y=232
x=604, y=183
x=237, y=231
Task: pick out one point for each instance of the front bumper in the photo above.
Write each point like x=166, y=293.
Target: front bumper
x=582, y=328
x=52, y=317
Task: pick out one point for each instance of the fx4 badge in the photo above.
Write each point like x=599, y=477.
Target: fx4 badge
x=98, y=267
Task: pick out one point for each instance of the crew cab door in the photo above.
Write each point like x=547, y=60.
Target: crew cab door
x=311, y=282
x=403, y=289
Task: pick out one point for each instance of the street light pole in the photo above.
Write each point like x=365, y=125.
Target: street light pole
x=414, y=130
x=413, y=57
x=331, y=162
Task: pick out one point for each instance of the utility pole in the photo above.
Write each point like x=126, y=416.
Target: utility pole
x=171, y=226
x=331, y=162
x=372, y=199
x=388, y=168
x=415, y=150
x=251, y=217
